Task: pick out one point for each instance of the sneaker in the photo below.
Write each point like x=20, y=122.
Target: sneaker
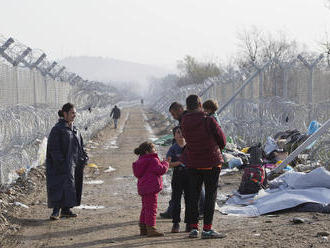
x=165, y=215
x=68, y=214
x=211, y=234
x=188, y=228
x=175, y=228
x=193, y=233
x=55, y=215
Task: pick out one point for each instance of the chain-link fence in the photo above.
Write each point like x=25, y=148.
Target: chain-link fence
x=32, y=90
x=263, y=100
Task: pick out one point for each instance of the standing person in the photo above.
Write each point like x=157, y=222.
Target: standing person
x=210, y=107
x=65, y=162
x=180, y=182
x=202, y=154
x=149, y=170
x=115, y=113
x=177, y=111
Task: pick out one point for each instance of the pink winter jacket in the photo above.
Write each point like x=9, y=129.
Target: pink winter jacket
x=149, y=170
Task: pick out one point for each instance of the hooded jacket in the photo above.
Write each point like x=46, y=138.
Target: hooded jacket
x=149, y=170
x=204, y=140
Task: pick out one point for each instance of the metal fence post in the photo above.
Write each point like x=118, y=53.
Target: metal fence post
x=16, y=84
x=310, y=67
x=249, y=80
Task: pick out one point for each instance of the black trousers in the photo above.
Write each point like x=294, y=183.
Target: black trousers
x=210, y=178
x=180, y=185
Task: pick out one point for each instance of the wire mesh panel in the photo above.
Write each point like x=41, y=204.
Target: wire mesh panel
x=32, y=90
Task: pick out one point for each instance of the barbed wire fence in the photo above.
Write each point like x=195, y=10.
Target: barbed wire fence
x=32, y=89
x=265, y=99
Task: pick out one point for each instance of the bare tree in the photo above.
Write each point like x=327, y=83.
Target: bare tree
x=278, y=48
x=250, y=44
x=195, y=72
x=325, y=46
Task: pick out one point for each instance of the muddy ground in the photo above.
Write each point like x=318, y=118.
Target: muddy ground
x=115, y=225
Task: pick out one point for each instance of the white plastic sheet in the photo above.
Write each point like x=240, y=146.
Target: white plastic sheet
x=287, y=191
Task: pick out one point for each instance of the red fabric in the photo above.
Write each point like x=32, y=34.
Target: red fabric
x=194, y=226
x=207, y=227
x=149, y=209
x=204, y=139
x=149, y=170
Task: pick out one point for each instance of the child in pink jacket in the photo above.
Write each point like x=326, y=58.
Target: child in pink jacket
x=149, y=170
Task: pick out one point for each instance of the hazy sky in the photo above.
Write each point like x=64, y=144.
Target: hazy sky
x=156, y=32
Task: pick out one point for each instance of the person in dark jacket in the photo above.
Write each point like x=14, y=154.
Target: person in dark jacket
x=65, y=161
x=203, y=157
x=115, y=113
x=177, y=111
x=180, y=180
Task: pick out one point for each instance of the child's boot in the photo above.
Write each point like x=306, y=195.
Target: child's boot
x=153, y=232
x=143, y=229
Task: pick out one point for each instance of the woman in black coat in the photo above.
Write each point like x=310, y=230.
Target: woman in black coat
x=65, y=162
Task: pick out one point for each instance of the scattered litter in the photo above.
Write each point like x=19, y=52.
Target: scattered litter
x=164, y=140
x=257, y=234
x=222, y=197
x=94, y=182
x=297, y=220
x=111, y=144
x=19, y=204
x=322, y=234
x=91, y=165
x=89, y=207
x=21, y=171
x=110, y=169
x=235, y=162
x=325, y=238
x=226, y=171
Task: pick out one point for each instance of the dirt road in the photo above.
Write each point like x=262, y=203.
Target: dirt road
x=114, y=222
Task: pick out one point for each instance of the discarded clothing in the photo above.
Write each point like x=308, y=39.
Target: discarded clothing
x=287, y=191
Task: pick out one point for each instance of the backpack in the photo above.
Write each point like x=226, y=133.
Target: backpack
x=254, y=176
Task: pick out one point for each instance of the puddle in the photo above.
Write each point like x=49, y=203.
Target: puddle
x=94, y=182
x=110, y=169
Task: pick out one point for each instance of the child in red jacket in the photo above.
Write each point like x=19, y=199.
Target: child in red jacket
x=149, y=170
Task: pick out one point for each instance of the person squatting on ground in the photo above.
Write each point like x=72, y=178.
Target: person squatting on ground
x=210, y=107
x=149, y=170
x=202, y=155
x=115, y=113
x=180, y=182
x=65, y=162
x=177, y=111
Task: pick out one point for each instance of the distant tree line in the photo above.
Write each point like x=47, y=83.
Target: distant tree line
x=255, y=47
